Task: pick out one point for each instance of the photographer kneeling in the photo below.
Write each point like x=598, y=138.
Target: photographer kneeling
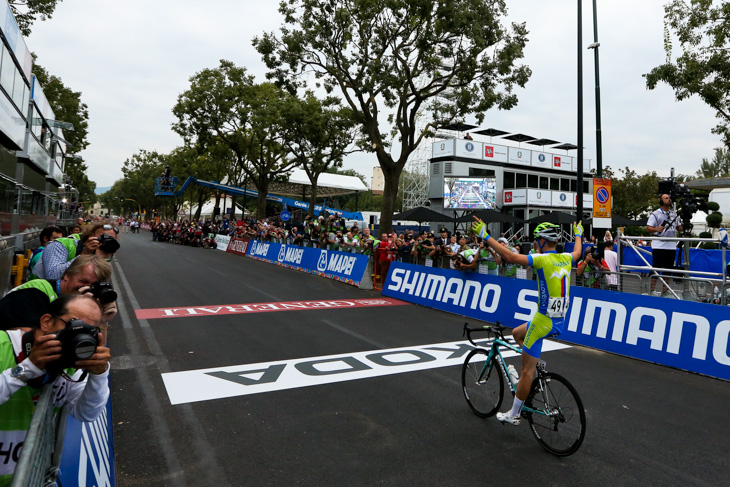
x=63, y=349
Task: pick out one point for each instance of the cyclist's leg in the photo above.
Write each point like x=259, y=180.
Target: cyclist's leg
x=539, y=328
x=519, y=333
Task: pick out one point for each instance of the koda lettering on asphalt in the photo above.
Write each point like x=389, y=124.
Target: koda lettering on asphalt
x=239, y=380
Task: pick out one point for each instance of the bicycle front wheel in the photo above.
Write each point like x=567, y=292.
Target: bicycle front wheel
x=559, y=420
x=482, y=383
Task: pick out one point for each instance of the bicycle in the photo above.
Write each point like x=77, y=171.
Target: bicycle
x=553, y=407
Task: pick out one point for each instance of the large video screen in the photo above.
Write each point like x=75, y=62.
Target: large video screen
x=470, y=193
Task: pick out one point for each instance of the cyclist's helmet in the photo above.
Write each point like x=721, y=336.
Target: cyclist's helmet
x=548, y=231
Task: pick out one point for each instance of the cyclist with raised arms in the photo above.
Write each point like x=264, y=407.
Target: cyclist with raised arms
x=553, y=278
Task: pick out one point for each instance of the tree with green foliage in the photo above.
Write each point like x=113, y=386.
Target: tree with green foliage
x=68, y=107
x=320, y=133
x=136, y=190
x=719, y=167
x=26, y=12
x=714, y=218
x=396, y=61
x=224, y=105
x=703, y=67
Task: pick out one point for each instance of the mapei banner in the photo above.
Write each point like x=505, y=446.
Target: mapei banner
x=681, y=334
x=340, y=266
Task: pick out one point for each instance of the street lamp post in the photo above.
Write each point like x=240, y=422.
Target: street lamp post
x=594, y=46
x=579, y=203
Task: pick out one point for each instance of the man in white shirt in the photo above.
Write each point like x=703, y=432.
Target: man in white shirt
x=664, y=222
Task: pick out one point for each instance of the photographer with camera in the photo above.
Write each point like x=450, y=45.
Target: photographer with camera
x=663, y=222
x=63, y=349
x=466, y=259
x=590, y=268
x=88, y=274
x=98, y=238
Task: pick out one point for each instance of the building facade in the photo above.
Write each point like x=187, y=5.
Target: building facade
x=469, y=174
x=32, y=148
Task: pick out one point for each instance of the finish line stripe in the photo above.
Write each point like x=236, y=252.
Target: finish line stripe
x=234, y=309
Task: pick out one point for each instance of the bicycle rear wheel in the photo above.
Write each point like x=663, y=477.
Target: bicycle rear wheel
x=482, y=383
x=560, y=421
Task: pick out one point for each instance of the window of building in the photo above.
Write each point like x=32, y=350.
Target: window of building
x=7, y=72
x=533, y=181
x=573, y=185
x=585, y=186
x=555, y=184
x=564, y=184
x=509, y=180
x=544, y=182
x=521, y=180
x=485, y=173
x=19, y=91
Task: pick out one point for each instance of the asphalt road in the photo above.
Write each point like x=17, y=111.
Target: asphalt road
x=646, y=424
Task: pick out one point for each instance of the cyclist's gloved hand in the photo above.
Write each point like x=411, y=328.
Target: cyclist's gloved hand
x=577, y=229
x=480, y=229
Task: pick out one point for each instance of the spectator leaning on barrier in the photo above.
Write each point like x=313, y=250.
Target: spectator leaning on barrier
x=98, y=238
x=40, y=355
x=664, y=222
x=510, y=269
x=48, y=234
x=488, y=259
x=466, y=258
x=610, y=259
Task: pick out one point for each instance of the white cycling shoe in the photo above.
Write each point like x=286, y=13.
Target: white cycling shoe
x=505, y=418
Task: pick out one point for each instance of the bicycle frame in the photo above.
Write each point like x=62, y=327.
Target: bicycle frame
x=499, y=343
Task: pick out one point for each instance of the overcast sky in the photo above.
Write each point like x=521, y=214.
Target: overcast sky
x=132, y=59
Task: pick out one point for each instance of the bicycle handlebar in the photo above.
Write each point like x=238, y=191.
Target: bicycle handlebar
x=495, y=329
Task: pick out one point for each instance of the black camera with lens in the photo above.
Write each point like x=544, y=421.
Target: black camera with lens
x=78, y=342
x=103, y=291
x=108, y=244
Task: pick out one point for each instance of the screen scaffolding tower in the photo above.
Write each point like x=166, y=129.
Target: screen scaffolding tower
x=415, y=177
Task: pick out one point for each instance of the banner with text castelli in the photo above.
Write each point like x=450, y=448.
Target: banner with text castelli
x=340, y=266
x=238, y=246
x=680, y=334
x=601, y=198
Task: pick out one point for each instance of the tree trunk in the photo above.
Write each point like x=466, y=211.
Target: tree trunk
x=263, y=189
x=201, y=196
x=312, y=199
x=391, y=176
x=233, y=207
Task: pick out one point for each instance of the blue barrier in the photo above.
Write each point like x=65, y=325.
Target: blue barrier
x=88, y=452
x=680, y=334
x=340, y=266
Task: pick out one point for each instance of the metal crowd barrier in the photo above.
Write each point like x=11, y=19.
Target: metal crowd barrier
x=40, y=456
x=690, y=286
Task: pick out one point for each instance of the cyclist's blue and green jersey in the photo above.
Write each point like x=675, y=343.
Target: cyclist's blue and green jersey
x=553, y=284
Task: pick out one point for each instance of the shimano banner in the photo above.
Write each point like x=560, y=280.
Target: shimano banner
x=681, y=334
x=88, y=452
x=340, y=266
